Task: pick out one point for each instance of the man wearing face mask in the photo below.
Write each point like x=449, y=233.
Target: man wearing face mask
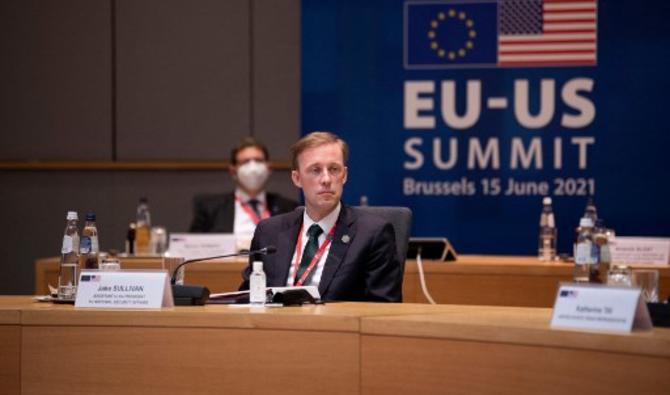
x=240, y=211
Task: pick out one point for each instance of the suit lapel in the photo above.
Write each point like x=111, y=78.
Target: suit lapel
x=285, y=245
x=227, y=216
x=344, y=234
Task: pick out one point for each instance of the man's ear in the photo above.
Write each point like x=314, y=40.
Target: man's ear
x=232, y=170
x=295, y=177
x=346, y=174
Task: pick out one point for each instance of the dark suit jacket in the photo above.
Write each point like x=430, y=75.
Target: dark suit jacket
x=216, y=213
x=361, y=267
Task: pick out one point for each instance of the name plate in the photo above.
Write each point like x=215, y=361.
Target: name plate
x=599, y=307
x=196, y=245
x=641, y=250
x=124, y=289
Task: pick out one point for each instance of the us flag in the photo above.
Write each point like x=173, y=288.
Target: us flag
x=547, y=32
x=569, y=293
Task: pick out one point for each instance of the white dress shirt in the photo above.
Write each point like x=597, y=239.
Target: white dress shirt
x=244, y=225
x=326, y=225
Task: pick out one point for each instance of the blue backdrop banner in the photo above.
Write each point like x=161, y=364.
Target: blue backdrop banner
x=469, y=112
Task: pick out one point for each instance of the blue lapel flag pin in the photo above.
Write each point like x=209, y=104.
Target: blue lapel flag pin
x=345, y=239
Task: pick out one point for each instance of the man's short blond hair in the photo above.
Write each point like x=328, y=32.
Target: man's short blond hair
x=317, y=139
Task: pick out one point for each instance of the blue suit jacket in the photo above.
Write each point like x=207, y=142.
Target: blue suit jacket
x=363, y=266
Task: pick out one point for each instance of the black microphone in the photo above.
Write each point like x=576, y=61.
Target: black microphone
x=262, y=251
x=190, y=295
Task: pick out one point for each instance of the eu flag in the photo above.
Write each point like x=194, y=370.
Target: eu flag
x=451, y=34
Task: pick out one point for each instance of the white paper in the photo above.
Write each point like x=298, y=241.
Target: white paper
x=641, y=250
x=311, y=289
x=599, y=307
x=124, y=289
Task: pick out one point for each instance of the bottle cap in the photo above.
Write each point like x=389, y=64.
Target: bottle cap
x=546, y=201
x=586, y=222
x=72, y=215
x=90, y=216
x=258, y=266
x=144, y=200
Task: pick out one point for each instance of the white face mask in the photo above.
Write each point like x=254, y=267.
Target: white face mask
x=253, y=174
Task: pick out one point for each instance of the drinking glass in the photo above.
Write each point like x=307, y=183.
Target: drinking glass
x=158, y=240
x=110, y=264
x=647, y=281
x=619, y=275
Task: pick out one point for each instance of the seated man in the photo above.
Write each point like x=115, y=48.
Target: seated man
x=348, y=254
x=239, y=211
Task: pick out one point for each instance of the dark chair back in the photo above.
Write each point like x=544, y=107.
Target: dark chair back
x=401, y=219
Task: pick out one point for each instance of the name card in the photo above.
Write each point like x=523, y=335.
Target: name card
x=124, y=289
x=641, y=250
x=196, y=245
x=599, y=307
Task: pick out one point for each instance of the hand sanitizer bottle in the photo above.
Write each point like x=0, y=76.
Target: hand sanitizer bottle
x=257, y=285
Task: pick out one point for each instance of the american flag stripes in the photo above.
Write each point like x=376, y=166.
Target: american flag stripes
x=567, y=33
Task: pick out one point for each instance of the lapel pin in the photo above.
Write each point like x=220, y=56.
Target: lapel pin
x=346, y=239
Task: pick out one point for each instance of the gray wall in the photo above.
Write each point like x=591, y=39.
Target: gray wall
x=134, y=80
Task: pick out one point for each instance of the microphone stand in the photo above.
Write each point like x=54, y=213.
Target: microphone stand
x=197, y=295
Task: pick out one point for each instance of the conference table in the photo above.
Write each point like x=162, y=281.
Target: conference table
x=336, y=348
x=470, y=280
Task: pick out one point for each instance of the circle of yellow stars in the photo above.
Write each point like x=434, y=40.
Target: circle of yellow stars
x=469, y=42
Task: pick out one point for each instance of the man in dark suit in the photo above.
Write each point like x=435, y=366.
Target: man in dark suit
x=348, y=254
x=239, y=211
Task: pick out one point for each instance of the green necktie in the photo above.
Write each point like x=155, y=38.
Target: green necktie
x=310, y=250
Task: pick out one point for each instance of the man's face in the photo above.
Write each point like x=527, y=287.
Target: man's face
x=247, y=179
x=321, y=174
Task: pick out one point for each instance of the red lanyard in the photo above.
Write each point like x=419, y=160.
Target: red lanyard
x=315, y=259
x=251, y=213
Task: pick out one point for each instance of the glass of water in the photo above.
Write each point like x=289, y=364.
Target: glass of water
x=158, y=240
x=647, y=281
x=620, y=276
x=110, y=264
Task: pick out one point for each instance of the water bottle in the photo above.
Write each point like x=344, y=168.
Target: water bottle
x=257, y=284
x=547, y=238
x=364, y=201
x=143, y=228
x=89, y=247
x=586, y=253
x=589, y=212
x=130, y=239
x=601, y=239
x=68, y=273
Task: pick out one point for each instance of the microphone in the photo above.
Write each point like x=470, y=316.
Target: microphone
x=192, y=295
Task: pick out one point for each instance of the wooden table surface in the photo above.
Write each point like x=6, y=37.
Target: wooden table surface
x=337, y=348
x=472, y=280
